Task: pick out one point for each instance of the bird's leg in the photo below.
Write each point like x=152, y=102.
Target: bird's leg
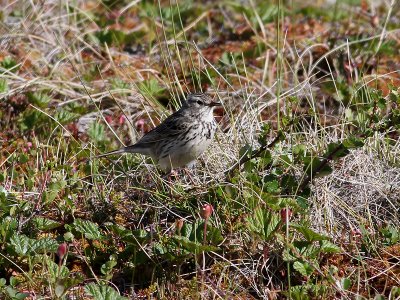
x=169, y=177
x=188, y=172
x=173, y=174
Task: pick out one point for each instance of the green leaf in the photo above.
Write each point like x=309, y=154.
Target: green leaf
x=346, y=283
x=307, y=249
x=336, y=151
x=245, y=151
x=353, y=142
x=14, y=281
x=21, y=244
x=272, y=202
x=289, y=183
x=266, y=157
x=250, y=167
x=309, y=234
x=102, y=292
x=395, y=293
x=89, y=229
x=106, y=269
x=115, y=37
x=391, y=234
x=192, y=236
x=313, y=164
x=381, y=103
x=3, y=86
x=160, y=249
x=307, y=291
x=272, y=186
x=96, y=132
x=286, y=161
x=188, y=230
x=59, y=289
x=7, y=227
x=329, y=247
x=23, y=158
x=263, y=222
x=61, y=277
x=9, y=64
x=299, y=150
x=132, y=237
x=301, y=249
x=14, y=294
x=214, y=235
x=288, y=256
x=39, y=99
x=45, y=224
x=303, y=268
x=25, y=246
x=3, y=282
x=265, y=130
x=3, y=191
x=53, y=190
x=151, y=88
x=193, y=247
x=64, y=117
x=56, y=272
x=285, y=121
x=44, y=245
x=32, y=119
x=118, y=83
x=68, y=236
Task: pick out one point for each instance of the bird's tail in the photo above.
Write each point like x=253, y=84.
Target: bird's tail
x=131, y=149
x=119, y=151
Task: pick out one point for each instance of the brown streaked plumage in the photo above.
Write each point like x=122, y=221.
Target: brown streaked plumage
x=182, y=137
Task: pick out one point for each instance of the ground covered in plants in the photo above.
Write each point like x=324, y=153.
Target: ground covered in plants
x=298, y=196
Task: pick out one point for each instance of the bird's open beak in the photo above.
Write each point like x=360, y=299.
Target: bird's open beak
x=214, y=104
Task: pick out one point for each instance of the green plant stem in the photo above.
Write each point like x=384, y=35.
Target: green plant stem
x=245, y=158
x=326, y=160
x=205, y=231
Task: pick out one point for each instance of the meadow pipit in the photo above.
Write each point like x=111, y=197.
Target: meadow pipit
x=182, y=137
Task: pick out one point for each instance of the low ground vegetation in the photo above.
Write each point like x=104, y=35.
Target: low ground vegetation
x=297, y=197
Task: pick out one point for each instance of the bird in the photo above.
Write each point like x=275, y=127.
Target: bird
x=182, y=137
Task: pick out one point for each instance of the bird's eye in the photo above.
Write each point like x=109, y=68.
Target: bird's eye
x=199, y=102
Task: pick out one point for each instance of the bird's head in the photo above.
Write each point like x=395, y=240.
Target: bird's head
x=201, y=102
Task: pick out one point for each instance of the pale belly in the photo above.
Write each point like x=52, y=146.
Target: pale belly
x=184, y=153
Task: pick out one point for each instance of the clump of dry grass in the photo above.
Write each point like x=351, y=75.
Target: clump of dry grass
x=58, y=53
x=363, y=190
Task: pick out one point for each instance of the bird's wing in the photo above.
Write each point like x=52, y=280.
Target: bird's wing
x=172, y=126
